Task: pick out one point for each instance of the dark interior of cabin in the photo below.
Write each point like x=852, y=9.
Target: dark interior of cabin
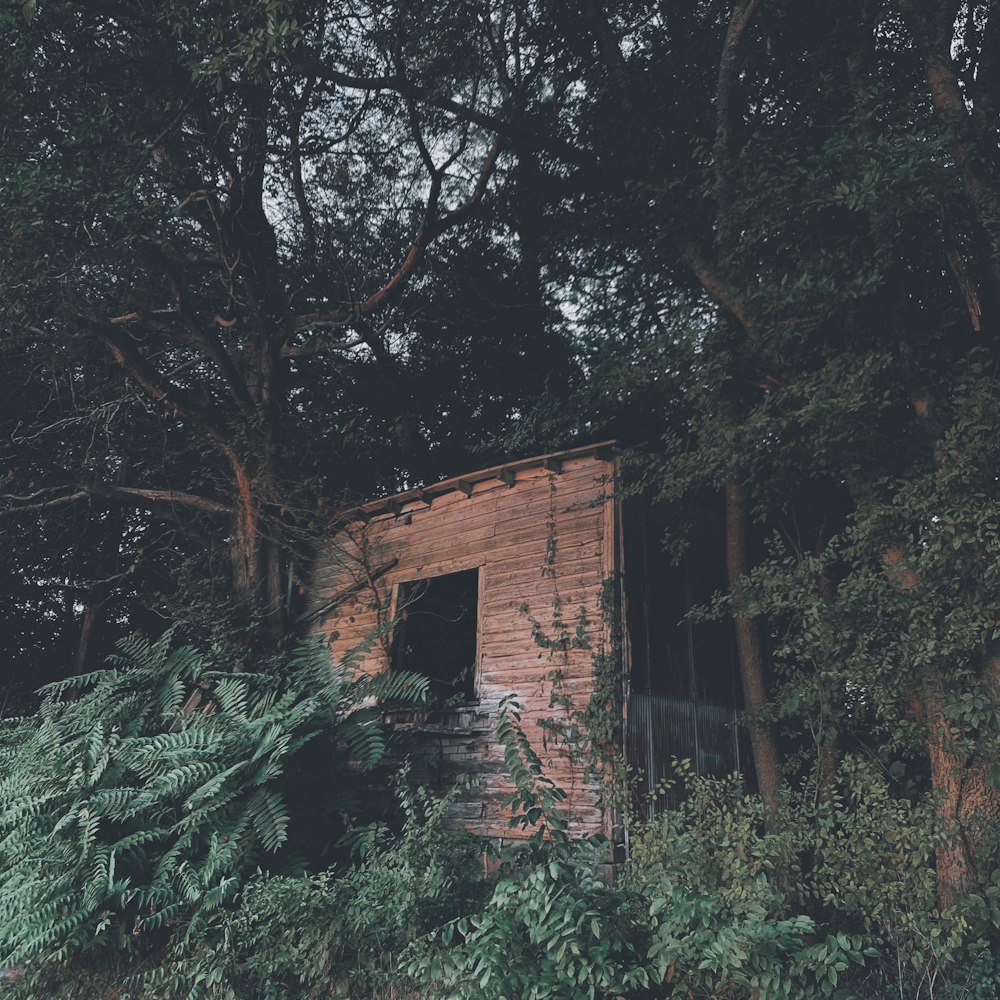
x=436, y=634
x=684, y=695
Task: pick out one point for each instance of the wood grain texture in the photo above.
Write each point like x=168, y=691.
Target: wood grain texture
x=544, y=547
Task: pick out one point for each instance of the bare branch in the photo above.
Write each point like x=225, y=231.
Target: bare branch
x=501, y=120
x=398, y=85
x=411, y=112
x=156, y=385
x=315, y=349
x=171, y=497
x=31, y=496
x=430, y=229
x=145, y=497
x=34, y=508
x=472, y=202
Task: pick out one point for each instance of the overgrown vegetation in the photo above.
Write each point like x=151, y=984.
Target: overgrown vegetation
x=151, y=852
x=129, y=824
x=345, y=932
x=261, y=260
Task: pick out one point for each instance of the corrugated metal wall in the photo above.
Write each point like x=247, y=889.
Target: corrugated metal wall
x=661, y=729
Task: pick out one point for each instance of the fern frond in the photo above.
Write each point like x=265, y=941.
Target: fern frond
x=269, y=817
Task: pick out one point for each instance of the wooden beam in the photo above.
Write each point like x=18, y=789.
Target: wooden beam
x=464, y=486
x=506, y=473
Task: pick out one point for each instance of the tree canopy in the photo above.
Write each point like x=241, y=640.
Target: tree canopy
x=264, y=257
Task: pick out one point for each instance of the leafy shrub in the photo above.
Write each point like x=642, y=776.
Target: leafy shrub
x=854, y=865
x=556, y=929
x=126, y=823
x=690, y=917
x=703, y=947
x=342, y=933
x=551, y=928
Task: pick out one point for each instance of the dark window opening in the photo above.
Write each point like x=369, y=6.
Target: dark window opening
x=436, y=633
x=684, y=684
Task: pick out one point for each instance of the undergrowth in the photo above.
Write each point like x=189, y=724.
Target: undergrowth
x=146, y=851
x=128, y=825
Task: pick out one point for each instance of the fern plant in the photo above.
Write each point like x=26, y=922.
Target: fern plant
x=126, y=823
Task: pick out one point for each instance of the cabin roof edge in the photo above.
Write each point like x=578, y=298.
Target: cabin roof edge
x=602, y=450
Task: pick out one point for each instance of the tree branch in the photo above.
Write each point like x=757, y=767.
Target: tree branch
x=34, y=508
x=398, y=85
x=145, y=497
x=718, y=286
x=932, y=26
x=154, y=384
x=187, y=333
x=501, y=121
x=305, y=211
x=725, y=92
x=171, y=497
x=729, y=65
x=316, y=348
x=428, y=230
x=194, y=334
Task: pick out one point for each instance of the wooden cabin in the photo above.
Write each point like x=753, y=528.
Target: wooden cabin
x=532, y=580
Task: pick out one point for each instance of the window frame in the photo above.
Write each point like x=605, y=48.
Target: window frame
x=432, y=573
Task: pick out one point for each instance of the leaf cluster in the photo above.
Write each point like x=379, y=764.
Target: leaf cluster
x=139, y=798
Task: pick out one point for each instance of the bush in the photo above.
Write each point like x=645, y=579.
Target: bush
x=551, y=928
x=165, y=853
x=833, y=896
x=128, y=824
x=342, y=933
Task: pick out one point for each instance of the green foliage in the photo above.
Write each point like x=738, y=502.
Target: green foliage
x=836, y=892
x=700, y=948
x=128, y=823
x=151, y=847
x=535, y=799
x=551, y=928
x=589, y=732
x=696, y=913
x=342, y=933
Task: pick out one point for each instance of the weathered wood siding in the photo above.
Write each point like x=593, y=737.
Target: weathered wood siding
x=544, y=546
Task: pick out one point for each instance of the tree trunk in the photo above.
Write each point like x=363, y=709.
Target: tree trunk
x=765, y=747
x=973, y=149
x=968, y=805
x=257, y=560
x=92, y=620
x=968, y=801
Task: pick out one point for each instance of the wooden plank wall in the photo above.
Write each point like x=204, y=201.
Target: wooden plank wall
x=543, y=544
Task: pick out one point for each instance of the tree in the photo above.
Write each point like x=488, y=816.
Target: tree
x=784, y=214
x=828, y=175
x=237, y=206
